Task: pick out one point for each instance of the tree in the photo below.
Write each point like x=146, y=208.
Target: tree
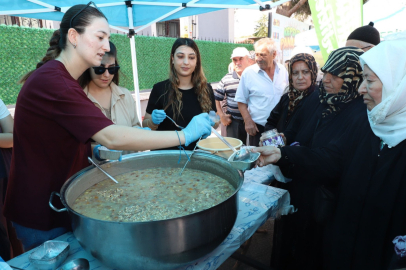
x=300, y=7
x=261, y=29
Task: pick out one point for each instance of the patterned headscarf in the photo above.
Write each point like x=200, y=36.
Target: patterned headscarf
x=344, y=63
x=295, y=96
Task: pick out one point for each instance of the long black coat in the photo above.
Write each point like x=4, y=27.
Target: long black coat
x=278, y=117
x=311, y=130
x=303, y=233
x=371, y=205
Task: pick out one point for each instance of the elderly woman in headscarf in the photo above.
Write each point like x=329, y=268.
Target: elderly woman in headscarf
x=302, y=82
x=369, y=158
x=321, y=119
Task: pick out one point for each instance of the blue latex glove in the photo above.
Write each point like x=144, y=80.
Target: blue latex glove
x=200, y=126
x=96, y=152
x=146, y=128
x=158, y=116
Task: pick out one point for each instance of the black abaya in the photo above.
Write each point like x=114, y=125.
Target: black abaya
x=371, y=205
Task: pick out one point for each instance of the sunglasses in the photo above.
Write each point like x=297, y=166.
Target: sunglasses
x=101, y=70
x=77, y=13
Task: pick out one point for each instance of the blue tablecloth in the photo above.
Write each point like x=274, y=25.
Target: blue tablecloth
x=259, y=175
x=257, y=202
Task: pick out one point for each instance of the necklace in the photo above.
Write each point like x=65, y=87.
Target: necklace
x=382, y=145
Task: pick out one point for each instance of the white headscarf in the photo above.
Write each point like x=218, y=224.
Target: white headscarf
x=388, y=61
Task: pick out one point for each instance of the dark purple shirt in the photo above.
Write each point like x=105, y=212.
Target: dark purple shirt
x=54, y=121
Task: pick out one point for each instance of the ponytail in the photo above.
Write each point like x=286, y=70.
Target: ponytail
x=53, y=52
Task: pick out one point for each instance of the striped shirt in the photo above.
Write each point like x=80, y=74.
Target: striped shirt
x=226, y=90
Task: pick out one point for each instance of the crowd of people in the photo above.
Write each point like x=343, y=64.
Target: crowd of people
x=345, y=137
x=348, y=174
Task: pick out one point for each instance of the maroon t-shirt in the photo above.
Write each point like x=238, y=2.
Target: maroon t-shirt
x=53, y=123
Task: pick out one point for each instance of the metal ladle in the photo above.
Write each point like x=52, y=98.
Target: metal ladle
x=242, y=154
x=98, y=167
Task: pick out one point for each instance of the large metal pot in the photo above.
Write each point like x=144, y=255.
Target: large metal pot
x=165, y=244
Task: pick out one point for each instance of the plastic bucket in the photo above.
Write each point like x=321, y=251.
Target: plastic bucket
x=217, y=147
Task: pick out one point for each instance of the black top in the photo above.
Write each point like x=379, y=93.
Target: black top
x=190, y=107
x=279, y=116
x=309, y=129
x=371, y=205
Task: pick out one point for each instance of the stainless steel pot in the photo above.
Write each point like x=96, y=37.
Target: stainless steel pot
x=165, y=244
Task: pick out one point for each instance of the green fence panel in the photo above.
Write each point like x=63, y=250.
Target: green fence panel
x=21, y=48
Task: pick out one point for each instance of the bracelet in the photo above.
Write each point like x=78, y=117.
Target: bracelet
x=150, y=121
x=181, y=148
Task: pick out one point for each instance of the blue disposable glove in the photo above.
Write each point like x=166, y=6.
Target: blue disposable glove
x=200, y=126
x=146, y=128
x=158, y=116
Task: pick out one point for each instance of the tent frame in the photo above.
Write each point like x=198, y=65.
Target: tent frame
x=131, y=32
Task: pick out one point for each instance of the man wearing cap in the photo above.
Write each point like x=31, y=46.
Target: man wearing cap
x=364, y=37
x=260, y=89
x=226, y=89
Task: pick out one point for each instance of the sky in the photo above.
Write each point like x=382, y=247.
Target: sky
x=245, y=21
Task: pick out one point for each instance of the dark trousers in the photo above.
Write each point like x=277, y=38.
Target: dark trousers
x=237, y=130
x=254, y=140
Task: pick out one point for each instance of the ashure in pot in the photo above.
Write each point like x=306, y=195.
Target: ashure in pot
x=162, y=244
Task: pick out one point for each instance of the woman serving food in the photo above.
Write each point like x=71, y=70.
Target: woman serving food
x=55, y=121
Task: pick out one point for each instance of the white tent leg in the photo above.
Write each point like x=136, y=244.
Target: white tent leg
x=134, y=63
x=135, y=76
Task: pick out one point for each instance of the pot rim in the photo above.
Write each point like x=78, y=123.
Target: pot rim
x=129, y=156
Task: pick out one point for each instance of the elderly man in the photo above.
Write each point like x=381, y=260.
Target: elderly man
x=364, y=37
x=260, y=89
x=226, y=89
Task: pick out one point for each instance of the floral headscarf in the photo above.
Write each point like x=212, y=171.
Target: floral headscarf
x=344, y=63
x=295, y=96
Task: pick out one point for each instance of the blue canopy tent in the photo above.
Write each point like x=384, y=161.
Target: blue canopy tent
x=129, y=14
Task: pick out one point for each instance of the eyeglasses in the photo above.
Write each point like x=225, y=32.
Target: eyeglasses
x=100, y=70
x=77, y=13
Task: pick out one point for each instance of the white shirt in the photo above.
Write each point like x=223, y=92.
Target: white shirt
x=259, y=92
x=3, y=110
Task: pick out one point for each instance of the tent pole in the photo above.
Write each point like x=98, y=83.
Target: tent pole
x=135, y=76
x=26, y=11
x=134, y=59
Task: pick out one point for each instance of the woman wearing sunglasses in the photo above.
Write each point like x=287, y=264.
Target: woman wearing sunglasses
x=55, y=121
x=101, y=87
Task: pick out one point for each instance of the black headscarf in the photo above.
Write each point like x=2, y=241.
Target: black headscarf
x=343, y=63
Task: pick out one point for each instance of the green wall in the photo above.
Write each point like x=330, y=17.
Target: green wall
x=22, y=48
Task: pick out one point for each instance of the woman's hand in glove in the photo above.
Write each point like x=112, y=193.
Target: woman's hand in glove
x=158, y=116
x=200, y=126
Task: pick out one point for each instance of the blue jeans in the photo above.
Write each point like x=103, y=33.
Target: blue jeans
x=31, y=238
